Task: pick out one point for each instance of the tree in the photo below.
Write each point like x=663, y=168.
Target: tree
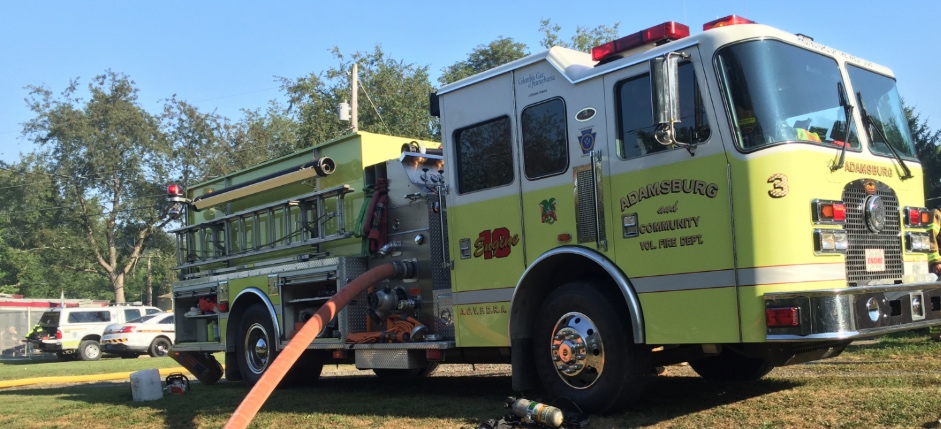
x=107, y=166
x=393, y=98
x=484, y=57
x=584, y=39
x=926, y=146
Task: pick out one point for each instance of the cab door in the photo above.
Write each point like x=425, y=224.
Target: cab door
x=484, y=227
x=671, y=207
x=562, y=144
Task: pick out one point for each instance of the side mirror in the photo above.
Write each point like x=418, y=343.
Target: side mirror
x=665, y=84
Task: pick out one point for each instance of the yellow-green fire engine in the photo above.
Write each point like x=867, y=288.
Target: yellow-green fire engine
x=739, y=199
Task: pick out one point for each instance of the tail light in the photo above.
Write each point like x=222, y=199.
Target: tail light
x=127, y=329
x=58, y=334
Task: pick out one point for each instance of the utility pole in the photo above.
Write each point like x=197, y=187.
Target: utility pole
x=354, y=100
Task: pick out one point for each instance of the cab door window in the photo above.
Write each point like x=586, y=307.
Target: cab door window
x=544, y=150
x=635, y=115
x=484, y=155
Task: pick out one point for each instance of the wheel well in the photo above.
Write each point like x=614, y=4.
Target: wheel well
x=242, y=303
x=92, y=337
x=546, y=274
x=561, y=266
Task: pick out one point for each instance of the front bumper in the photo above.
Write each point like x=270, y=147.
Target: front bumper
x=857, y=312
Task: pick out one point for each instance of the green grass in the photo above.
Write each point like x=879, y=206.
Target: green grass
x=895, y=382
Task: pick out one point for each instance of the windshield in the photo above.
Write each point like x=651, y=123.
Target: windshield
x=880, y=98
x=780, y=93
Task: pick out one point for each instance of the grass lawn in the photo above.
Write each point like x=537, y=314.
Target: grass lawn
x=895, y=382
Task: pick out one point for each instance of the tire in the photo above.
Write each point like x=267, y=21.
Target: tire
x=254, y=347
x=89, y=350
x=729, y=365
x=579, y=329
x=405, y=374
x=159, y=348
x=305, y=372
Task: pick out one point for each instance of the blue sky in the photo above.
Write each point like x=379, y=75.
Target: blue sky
x=224, y=55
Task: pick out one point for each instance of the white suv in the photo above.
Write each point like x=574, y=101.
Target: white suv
x=75, y=332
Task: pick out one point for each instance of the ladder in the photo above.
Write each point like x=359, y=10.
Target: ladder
x=288, y=224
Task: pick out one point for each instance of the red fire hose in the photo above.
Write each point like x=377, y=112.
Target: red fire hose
x=256, y=397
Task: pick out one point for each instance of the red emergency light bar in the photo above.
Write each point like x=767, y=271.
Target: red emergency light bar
x=724, y=22
x=668, y=31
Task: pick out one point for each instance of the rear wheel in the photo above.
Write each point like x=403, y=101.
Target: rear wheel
x=160, y=347
x=584, y=351
x=255, y=348
x=730, y=365
x=89, y=350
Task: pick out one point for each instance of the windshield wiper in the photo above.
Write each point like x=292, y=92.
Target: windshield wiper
x=870, y=124
x=848, y=112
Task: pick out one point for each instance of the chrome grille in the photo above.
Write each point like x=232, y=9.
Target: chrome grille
x=861, y=238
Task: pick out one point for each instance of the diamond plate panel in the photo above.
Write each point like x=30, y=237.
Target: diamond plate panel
x=444, y=315
x=390, y=359
x=352, y=318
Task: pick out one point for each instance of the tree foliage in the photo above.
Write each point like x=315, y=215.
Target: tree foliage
x=926, y=146
x=584, y=38
x=393, y=98
x=107, y=163
x=484, y=57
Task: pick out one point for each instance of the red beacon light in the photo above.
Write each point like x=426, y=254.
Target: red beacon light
x=666, y=32
x=175, y=193
x=725, y=22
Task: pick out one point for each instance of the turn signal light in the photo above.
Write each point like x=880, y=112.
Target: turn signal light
x=783, y=317
x=829, y=212
x=916, y=216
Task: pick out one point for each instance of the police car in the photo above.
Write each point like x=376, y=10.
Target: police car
x=152, y=334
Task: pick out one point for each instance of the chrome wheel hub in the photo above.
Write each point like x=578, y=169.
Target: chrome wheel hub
x=576, y=350
x=256, y=348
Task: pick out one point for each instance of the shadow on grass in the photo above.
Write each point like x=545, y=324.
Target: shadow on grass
x=470, y=399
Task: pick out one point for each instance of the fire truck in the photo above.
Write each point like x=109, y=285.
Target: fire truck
x=740, y=199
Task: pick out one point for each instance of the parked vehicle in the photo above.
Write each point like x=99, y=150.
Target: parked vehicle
x=75, y=332
x=152, y=334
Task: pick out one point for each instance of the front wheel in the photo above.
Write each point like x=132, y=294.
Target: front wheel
x=584, y=351
x=255, y=348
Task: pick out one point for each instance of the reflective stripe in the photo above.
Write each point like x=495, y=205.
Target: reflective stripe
x=482, y=296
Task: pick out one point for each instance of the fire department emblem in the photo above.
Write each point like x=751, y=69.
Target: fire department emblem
x=587, y=140
x=548, y=211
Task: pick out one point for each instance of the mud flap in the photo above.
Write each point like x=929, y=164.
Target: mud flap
x=201, y=364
